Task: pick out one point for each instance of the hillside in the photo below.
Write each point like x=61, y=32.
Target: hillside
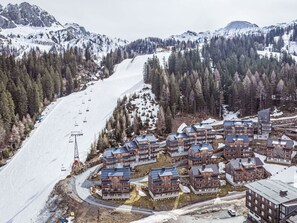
x=27, y=26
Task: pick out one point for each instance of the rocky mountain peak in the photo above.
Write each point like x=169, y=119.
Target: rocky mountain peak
x=25, y=14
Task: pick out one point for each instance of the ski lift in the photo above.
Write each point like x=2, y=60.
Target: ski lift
x=89, y=99
x=85, y=120
x=87, y=110
x=75, y=124
x=79, y=112
x=63, y=168
x=70, y=140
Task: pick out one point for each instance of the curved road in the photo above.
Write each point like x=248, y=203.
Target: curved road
x=82, y=186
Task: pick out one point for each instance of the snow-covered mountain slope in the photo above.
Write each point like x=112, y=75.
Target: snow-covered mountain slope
x=28, y=179
x=25, y=14
x=235, y=28
x=27, y=26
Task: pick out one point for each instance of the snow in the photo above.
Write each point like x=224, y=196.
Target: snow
x=221, y=145
x=269, y=167
x=145, y=106
x=276, y=113
x=181, y=127
x=28, y=179
x=287, y=175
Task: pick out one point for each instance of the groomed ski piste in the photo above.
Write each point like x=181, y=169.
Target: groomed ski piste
x=28, y=179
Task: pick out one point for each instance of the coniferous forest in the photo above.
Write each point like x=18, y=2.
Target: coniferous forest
x=224, y=71
x=30, y=83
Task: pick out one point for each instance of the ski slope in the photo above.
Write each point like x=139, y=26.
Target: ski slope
x=28, y=179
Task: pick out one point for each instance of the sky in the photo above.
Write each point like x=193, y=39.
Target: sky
x=132, y=19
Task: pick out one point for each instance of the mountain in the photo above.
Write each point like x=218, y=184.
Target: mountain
x=26, y=26
x=25, y=14
x=235, y=28
x=240, y=25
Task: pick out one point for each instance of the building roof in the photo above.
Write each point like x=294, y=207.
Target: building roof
x=233, y=138
x=115, y=172
x=238, y=122
x=283, y=142
x=109, y=152
x=245, y=162
x=131, y=145
x=146, y=138
x=174, y=136
x=199, y=126
x=264, y=116
x=270, y=190
x=166, y=171
x=197, y=170
x=203, y=146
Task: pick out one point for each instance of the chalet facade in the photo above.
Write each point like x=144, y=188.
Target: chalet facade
x=115, y=183
x=271, y=201
x=239, y=127
x=205, y=179
x=264, y=124
x=141, y=150
x=178, y=144
x=244, y=170
x=163, y=183
x=201, y=154
x=237, y=146
x=280, y=151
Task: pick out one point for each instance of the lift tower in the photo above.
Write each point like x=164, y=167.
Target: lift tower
x=76, y=154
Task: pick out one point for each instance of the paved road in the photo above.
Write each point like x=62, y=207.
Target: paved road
x=82, y=190
x=82, y=186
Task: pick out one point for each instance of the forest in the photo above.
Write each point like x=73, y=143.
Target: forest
x=27, y=85
x=225, y=71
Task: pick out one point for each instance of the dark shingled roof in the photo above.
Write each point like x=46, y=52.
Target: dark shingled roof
x=146, y=138
x=196, y=170
x=234, y=122
x=166, y=171
x=124, y=172
x=245, y=162
x=110, y=151
x=233, y=138
x=197, y=148
x=287, y=143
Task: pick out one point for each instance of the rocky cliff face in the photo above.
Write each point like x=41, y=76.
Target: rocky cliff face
x=24, y=27
x=26, y=15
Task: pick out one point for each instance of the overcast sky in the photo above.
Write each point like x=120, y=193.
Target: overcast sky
x=132, y=19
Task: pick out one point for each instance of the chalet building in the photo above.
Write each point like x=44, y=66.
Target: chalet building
x=271, y=201
x=239, y=127
x=141, y=150
x=163, y=183
x=244, y=170
x=178, y=144
x=264, y=124
x=205, y=179
x=201, y=154
x=115, y=183
x=280, y=151
x=237, y=146
x=117, y=157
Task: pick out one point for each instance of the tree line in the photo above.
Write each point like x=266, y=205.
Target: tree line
x=29, y=84
x=225, y=71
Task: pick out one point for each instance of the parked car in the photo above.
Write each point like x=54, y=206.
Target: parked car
x=232, y=213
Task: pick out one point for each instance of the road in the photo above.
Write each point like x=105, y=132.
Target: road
x=28, y=179
x=82, y=189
